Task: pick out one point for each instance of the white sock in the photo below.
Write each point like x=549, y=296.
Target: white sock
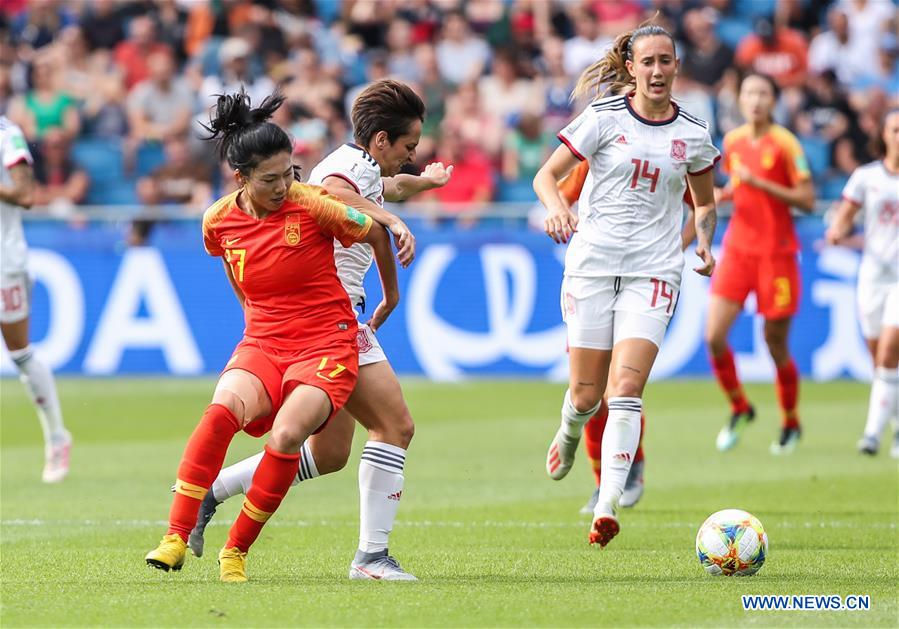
x=572, y=420
x=236, y=479
x=380, y=489
x=619, y=444
x=41, y=387
x=883, y=402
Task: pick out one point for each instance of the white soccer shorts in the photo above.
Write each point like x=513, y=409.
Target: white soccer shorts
x=877, y=299
x=15, y=289
x=370, y=351
x=601, y=311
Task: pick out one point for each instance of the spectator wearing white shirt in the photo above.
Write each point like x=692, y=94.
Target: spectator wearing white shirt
x=829, y=50
x=234, y=55
x=868, y=19
x=460, y=55
x=586, y=46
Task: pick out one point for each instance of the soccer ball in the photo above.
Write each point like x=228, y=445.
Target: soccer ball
x=732, y=542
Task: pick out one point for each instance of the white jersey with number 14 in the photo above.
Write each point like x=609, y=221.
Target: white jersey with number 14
x=630, y=209
x=354, y=165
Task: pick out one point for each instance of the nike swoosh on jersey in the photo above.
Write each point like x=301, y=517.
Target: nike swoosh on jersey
x=233, y=241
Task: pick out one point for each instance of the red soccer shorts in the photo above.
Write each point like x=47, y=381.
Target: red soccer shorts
x=332, y=367
x=773, y=277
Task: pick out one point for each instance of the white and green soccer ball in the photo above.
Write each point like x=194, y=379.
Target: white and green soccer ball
x=732, y=542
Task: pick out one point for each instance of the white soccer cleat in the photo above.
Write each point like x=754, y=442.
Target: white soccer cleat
x=868, y=445
x=560, y=456
x=56, y=460
x=377, y=566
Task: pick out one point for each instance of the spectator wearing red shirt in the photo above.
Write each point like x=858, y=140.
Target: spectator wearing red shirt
x=779, y=52
x=131, y=55
x=473, y=178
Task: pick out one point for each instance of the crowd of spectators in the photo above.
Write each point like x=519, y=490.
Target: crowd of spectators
x=114, y=89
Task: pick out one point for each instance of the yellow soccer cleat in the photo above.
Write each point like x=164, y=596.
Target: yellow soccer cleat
x=232, y=565
x=170, y=553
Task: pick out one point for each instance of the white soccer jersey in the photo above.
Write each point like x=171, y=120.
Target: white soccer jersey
x=630, y=209
x=354, y=165
x=874, y=188
x=13, y=150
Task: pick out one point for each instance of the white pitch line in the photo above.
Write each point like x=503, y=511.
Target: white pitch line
x=502, y=524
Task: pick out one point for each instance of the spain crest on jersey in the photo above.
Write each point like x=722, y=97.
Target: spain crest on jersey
x=292, y=230
x=679, y=150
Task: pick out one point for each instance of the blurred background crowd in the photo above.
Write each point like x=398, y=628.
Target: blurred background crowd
x=109, y=92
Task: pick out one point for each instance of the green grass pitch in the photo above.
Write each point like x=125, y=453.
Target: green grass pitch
x=493, y=540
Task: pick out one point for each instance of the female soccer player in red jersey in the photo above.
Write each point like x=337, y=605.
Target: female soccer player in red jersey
x=387, y=119
x=298, y=361
x=769, y=173
x=623, y=266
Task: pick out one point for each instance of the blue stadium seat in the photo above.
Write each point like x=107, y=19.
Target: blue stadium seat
x=817, y=151
x=832, y=187
x=102, y=159
x=748, y=9
x=150, y=156
x=520, y=191
x=732, y=30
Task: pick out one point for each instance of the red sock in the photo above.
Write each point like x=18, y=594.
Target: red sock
x=270, y=484
x=201, y=463
x=593, y=430
x=726, y=371
x=788, y=392
x=638, y=455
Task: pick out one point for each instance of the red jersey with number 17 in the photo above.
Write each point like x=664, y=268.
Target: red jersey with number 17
x=761, y=223
x=284, y=264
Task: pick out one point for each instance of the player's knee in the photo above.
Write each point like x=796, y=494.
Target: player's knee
x=716, y=341
x=626, y=386
x=405, y=429
x=232, y=402
x=287, y=438
x=584, y=398
x=888, y=352
x=777, y=346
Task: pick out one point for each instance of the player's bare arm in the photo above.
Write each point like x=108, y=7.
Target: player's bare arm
x=688, y=233
x=800, y=196
x=21, y=191
x=841, y=225
x=401, y=187
x=702, y=189
x=390, y=289
x=560, y=224
x=402, y=235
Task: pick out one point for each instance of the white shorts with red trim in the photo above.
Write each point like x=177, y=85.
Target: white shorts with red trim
x=370, y=351
x=601, y=311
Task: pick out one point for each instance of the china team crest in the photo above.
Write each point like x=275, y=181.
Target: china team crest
x=679, y=150
x=292, y=230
